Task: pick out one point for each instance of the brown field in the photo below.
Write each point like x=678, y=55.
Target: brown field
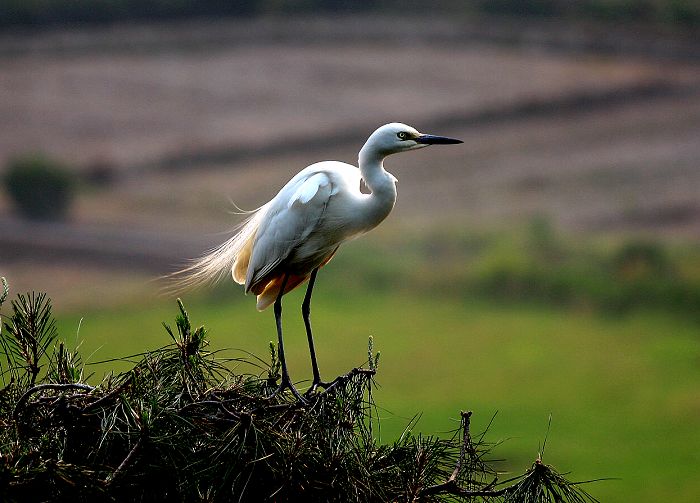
x=593, y=142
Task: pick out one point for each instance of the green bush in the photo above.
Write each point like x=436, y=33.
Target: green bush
x=536, y=264
x=40, y=187
x=641, y=259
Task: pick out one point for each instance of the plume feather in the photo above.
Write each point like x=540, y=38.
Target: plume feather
x=231, y=257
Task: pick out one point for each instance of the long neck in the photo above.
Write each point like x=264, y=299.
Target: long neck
x=381, y=184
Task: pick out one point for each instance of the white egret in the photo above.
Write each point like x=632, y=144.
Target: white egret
x=285, y=242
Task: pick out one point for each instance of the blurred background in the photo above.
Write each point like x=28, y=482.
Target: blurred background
x=551, y=264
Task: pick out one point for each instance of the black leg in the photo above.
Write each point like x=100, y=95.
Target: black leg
x=286, y=381
x=305, y=313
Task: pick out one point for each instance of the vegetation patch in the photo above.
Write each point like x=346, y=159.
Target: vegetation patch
x=182, y=426
x=41, y=188
x=537, y=265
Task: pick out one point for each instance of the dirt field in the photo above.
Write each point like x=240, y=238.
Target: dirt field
x=127, y=109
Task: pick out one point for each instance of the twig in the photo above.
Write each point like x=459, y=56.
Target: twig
x=109, y=395
x=240, y=416
x=451, y=485
x=124, y=463
x=346, y=377
x=5, y=290
x=216, y=403
x=466, y=444
x=39, y=387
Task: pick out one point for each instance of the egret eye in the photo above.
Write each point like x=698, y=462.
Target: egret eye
x=403, y=135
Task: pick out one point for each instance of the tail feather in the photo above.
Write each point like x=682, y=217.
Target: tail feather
x=231, y=257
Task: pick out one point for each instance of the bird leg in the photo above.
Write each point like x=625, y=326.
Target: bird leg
x=286, y=381
x=305, y=313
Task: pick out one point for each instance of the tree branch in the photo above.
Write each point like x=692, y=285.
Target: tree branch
x=23, y=399
x=451, y=486
x=111, y=394
x=125, y=462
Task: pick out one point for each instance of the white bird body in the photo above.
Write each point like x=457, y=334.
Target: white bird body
x=302, y=226
x=284, y=242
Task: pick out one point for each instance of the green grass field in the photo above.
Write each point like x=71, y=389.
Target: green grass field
x=622, y=390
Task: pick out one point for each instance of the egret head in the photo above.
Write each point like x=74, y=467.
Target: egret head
x=397, y=137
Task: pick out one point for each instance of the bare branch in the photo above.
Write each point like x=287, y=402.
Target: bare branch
x=40, y=387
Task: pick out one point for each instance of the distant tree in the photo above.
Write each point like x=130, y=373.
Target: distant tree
x=40, y=187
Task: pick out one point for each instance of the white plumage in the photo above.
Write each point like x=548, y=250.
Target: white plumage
x=284, y=242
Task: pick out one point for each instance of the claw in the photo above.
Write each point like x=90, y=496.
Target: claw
x=286, y=383
x=317, y=384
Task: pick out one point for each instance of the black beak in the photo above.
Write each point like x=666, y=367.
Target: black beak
x=429, y=139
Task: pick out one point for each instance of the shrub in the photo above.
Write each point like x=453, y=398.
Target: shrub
x=40, y=187
x=182, y=426
x=639, y=274
x=641, y=259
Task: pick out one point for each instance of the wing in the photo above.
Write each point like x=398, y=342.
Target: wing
x=292, y=215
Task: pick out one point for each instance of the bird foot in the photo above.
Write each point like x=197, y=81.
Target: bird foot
x=287, y=383
x=338, y=381
x=315, y=385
